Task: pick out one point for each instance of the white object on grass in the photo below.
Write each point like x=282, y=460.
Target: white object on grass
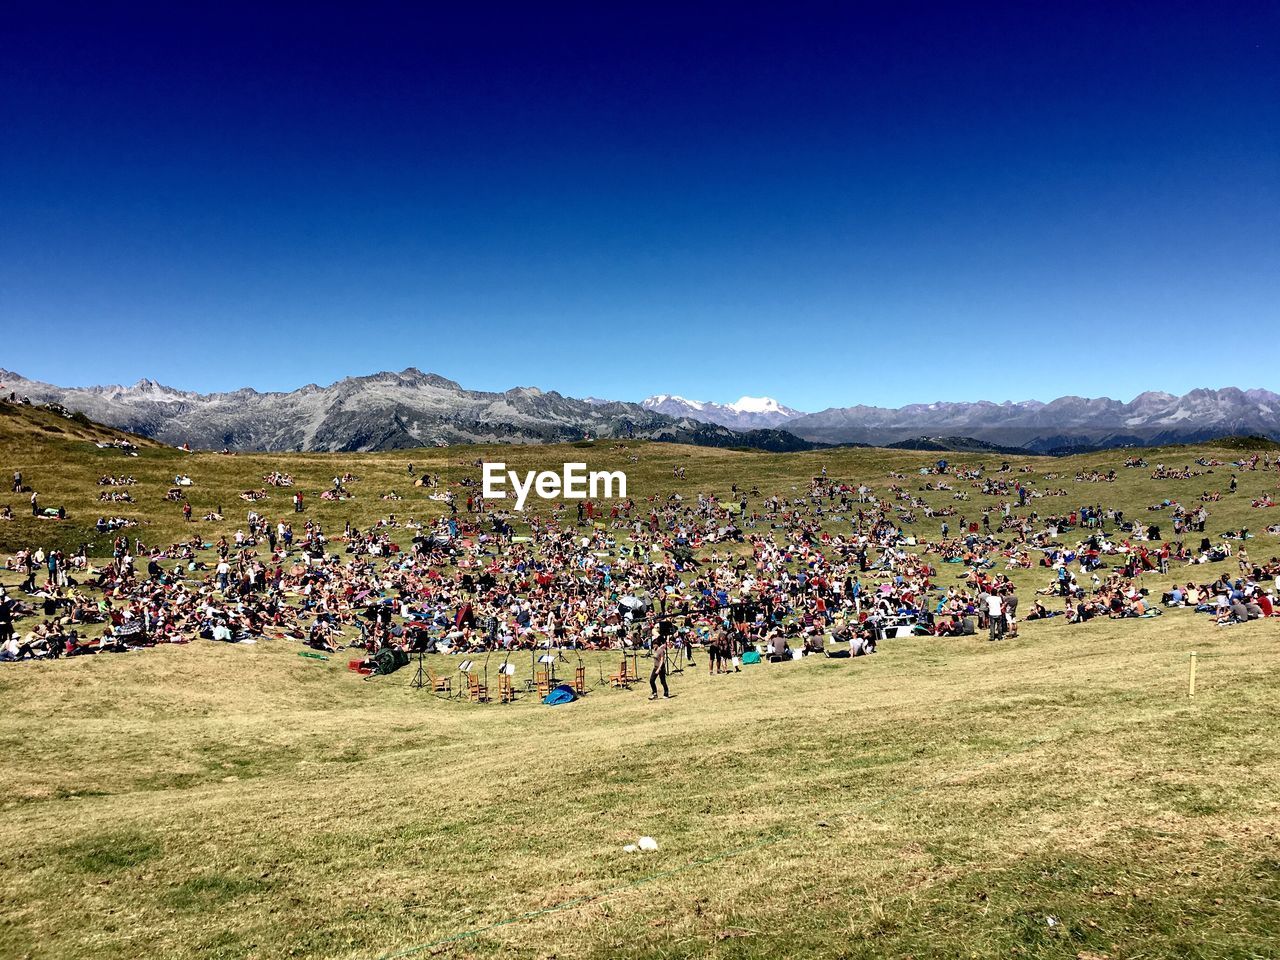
x=648, y=844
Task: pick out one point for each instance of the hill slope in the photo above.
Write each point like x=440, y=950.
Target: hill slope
x=944, y=797
x=29, y=422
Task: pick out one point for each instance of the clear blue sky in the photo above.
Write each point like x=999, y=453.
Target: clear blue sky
x=831, y=204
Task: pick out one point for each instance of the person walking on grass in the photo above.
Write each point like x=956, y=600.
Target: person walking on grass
x=659, y=671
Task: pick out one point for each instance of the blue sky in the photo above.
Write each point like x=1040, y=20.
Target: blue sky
x=830, y=204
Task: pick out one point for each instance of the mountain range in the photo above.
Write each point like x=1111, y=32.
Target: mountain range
x=748, y=413
x=387, y=410
x=1064, y=425
x=1150, y=419
x=384, y=411
x=1068, y=424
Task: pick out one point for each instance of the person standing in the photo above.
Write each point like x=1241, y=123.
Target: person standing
x=1010, y=610
x=659, y=672
x=995, y=615
x=6, y=615
x=29, y=574
x=17, y=481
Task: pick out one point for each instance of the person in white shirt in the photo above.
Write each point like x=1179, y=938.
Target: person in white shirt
x=995, y=614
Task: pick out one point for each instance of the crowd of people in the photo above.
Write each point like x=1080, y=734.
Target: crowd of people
x=781, y=574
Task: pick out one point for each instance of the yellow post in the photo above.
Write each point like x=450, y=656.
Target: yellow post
x=1191, y=677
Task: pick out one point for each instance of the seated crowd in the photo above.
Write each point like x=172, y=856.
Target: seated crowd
x=779, y=574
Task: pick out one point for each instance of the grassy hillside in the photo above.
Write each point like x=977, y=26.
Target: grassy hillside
x=942, y=798
x=58, y=460
x=1057, y=795
x=25, y=422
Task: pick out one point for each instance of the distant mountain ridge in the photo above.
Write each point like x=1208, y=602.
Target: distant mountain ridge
x=407, y=409
x=747, y=413
x=382, y=411
x=1151, y=418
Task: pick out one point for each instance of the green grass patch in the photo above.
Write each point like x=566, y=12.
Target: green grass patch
x=111, y=851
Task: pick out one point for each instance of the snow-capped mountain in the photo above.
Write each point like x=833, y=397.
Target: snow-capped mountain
x=1150, y=418
x=384, y=411
x=387, y=411
x=745, y=414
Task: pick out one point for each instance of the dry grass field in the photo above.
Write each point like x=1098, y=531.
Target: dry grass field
x=1055, y=795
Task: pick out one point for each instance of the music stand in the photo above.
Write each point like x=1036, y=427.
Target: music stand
x=675, y=664
x=464, y=668
x=419, y=679
x=549, y=661
x=506, y=669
